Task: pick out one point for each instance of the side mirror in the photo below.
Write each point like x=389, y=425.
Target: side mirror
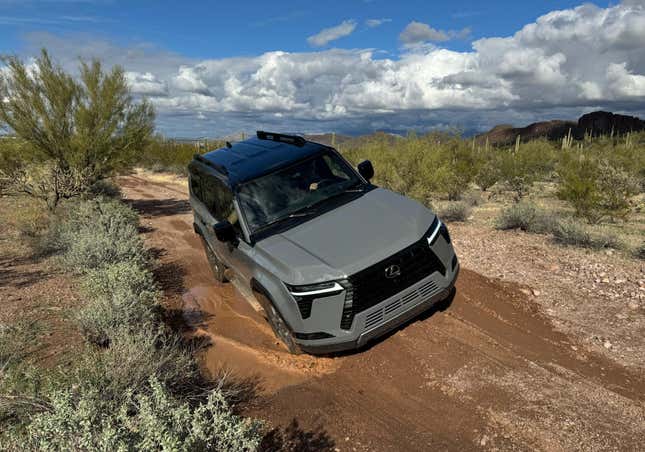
x=366, y=169
x=224, y=231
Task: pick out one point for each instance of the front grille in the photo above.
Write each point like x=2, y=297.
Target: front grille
x=386, y=313
x=371, y=285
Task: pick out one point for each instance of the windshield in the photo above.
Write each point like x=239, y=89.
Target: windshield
x=296, y=190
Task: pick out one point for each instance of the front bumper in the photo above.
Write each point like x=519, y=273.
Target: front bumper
x=389, y=314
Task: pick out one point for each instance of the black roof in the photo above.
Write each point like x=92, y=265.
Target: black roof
x=245, y=160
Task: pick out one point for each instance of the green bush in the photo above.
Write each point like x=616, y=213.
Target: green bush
x=100, y=232
x=576, y=234
x=104, y=188
x=527, y=217
x=162, y=155
x=455, y=211
x=520, y=168
x=472, y=198
x=488, y=173
x=595, y=187
x=149, y=422
x=120, y=296
x=639, y=252
x=132, y=357
x=16, y=341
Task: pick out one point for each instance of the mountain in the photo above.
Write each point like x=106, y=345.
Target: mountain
x=596, y=123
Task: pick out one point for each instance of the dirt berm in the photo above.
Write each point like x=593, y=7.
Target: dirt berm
x=487, y=371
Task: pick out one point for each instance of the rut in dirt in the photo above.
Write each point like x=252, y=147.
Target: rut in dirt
x=487, y=371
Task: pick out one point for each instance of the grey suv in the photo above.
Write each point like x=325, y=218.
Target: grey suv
x=333, y=260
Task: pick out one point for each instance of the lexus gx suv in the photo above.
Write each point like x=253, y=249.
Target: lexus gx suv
x=333, y=260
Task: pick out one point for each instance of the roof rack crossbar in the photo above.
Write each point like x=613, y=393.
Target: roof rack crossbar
x=289, y=139
x=213, y=165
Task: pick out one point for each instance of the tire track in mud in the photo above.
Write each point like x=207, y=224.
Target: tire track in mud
x=487, y=372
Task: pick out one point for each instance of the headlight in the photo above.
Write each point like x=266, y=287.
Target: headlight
x=305, y=295
x=324, y=289
x=437, y=228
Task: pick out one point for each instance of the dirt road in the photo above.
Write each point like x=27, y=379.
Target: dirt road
x=486, y=372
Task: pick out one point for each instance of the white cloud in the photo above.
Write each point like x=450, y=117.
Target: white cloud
x=326, y=35
x=146, y=84
x=418, y=32
x=373, y=23
x=563, y=64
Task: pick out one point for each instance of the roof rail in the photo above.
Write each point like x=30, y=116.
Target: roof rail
x=216, y=166
x=289, y=139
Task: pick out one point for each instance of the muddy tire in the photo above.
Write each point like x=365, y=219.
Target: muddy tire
x=278, y=325
x=218, y=268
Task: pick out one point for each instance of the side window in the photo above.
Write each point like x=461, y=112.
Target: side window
x=218, y=198
x=335, y=169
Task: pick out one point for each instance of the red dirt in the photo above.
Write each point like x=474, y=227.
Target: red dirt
x=487, y=372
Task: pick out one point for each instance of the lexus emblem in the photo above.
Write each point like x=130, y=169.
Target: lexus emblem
x=392, y=271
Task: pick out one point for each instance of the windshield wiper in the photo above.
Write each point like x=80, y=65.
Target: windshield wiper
x=305, y=212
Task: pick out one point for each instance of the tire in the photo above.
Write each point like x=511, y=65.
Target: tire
x=218, y=268
x=278, y=325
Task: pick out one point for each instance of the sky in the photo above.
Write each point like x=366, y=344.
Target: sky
x=354, y=66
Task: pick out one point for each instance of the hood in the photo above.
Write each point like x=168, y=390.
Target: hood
x=345, y=240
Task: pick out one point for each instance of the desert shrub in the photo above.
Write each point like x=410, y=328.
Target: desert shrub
x=527, y=163
x=21, y=384
x=121, y=296
x=527, y=217
x=639, y=252
x=418, y=166
x=121, y=280
x=173, y=156
x=30, y=219
x=100, y=232
x=149, y=422
x=595, y=187
x=488, y=174
x=573, y=233
x=455, y=211
x=132, y=357
x=104, y=188
x=472, y=198
x=76, y=129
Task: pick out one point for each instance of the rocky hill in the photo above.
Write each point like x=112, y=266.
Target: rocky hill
x=596, y=123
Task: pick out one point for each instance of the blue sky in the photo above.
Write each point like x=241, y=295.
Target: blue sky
x=353, y=65
x=244, y=28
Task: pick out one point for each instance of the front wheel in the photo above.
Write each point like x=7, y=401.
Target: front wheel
x=278, y=325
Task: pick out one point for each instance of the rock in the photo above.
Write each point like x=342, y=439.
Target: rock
x=607, y=345
x=632, y=305
x=620, y=281
x=536, y=292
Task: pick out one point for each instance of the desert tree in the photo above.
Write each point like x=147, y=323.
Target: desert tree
x=74, y=130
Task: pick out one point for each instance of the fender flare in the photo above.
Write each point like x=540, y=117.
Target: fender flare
x=256, y=286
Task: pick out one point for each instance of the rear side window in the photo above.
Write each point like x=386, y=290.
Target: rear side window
x=217, y=197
